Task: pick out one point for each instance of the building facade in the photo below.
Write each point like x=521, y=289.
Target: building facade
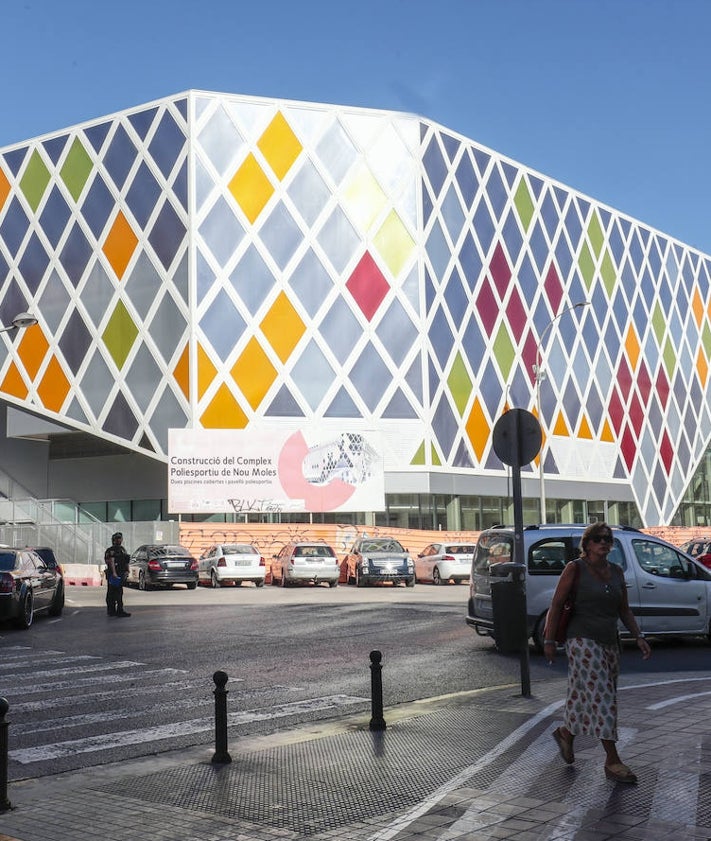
x=217, y=261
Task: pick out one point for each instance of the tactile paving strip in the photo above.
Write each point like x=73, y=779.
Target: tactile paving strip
x=333, y=782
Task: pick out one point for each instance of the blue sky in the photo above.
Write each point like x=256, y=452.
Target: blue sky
x=610, y=97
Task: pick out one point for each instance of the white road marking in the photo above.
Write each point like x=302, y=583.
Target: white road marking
x=82, y=683
x=411, y=815
x=678, y=700
x=113, y=741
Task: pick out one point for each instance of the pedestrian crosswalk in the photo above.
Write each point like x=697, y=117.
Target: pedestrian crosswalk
x=72, y=710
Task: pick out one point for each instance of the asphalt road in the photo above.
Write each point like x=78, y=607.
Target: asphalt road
x=86, y=689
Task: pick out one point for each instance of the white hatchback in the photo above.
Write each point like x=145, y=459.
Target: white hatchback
x=231, y=563
x=443, y=562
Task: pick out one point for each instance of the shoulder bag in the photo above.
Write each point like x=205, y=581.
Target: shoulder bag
x=567, y=609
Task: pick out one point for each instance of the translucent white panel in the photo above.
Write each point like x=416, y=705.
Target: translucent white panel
x=336, y=152
x=221, y=142
x=313, y=375
x=97, y=293
x=338, y=239
x=309, y=193
x=281, y=235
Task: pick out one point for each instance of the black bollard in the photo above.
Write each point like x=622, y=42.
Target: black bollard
x=377, y=722
x=221, y=753
x=4, y=802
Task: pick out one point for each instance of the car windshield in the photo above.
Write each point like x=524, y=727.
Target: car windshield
x=314, y=551
x=47, y=556
x=239, y=549
x=7, y=561
x=459, y=550
x=168, y=551
x=381, y=546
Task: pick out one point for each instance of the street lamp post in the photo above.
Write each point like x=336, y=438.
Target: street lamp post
x=540, y=375
x=19, y=322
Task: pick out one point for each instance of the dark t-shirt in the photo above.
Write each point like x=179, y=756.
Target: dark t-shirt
x=121, y=558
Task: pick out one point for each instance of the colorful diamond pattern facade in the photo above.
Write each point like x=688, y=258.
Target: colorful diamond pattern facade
x=220, y=261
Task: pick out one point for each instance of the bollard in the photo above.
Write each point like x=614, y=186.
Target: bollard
x=377, y=722
x=4, y=802
x=221, y=753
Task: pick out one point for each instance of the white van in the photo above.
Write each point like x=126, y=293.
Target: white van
x=669, y=592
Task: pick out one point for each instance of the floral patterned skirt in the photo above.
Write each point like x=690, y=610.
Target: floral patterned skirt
x=591, y=705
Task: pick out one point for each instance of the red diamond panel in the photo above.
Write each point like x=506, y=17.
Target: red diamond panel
x=368, y=286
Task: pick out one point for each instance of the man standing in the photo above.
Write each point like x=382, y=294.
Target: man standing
x=116, y=559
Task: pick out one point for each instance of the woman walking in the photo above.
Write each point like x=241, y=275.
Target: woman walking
x=600, y=595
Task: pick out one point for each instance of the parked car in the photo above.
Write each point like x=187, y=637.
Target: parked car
x=231, y=563
x=669, y=593
x=162, y=565
x=28, y=586
x=48, y=556
x=306, y=562
x=374, y=560
x=699, y=549
x=444, y=562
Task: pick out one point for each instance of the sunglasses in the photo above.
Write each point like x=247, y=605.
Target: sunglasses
x=602, y=538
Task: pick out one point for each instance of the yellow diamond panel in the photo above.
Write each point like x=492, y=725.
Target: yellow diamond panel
x=224, y=412
x=283, y=327
x=181, y=372
x=253, y=373
x=561, y=427
x=394, y=243
x=120, y=244
x=251, y=188
x=478, y=429
x=206, y=371
x=54, y=386
x=584, y=430
x=279, y=145
x=363, y=198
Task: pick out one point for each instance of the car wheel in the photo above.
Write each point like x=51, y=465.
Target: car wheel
x=436, y=578
x=333, y=584
x=214, y=580
x=142, y=585
x=192, y=585
x=260, y=583
x=55, y=609
x=410, y=582
x=358, y=580
x=24, y=620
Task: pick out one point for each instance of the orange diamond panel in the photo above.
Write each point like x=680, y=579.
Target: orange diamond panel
x=54, y=386
x=120, y=245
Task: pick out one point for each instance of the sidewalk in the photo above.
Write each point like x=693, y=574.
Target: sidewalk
x=478, y=765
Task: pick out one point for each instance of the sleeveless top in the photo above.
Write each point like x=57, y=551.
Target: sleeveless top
x=597, y=606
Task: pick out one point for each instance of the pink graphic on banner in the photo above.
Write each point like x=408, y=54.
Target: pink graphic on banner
x=291, y=475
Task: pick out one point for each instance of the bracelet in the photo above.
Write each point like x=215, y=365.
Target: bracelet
x=640, y=637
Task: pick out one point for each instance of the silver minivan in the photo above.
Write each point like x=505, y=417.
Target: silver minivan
x=669, y=592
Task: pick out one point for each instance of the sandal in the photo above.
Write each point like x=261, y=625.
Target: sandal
x=619, y=773
x=565, y=746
